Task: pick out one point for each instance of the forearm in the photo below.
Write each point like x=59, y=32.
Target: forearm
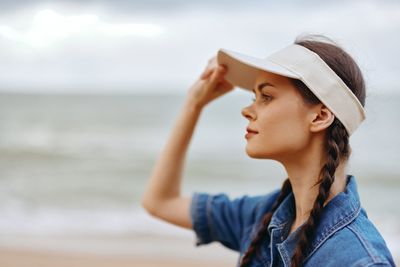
x=166, y=177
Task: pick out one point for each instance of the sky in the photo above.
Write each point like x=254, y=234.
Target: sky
x=161, y=46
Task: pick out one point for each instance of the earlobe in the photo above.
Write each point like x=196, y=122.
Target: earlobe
x=322, y=118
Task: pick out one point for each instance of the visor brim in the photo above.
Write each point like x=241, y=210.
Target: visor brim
x=243, y=69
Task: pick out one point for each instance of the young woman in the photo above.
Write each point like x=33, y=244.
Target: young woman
x=309, y=99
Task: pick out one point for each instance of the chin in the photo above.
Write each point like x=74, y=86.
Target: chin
x=258, y=154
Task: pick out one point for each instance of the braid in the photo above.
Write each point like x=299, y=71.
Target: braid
x=286, y=189
x=337, y=149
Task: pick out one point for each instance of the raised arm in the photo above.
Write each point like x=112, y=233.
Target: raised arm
x=162, y=197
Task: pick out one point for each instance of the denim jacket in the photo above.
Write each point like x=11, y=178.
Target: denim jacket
x=344, y=236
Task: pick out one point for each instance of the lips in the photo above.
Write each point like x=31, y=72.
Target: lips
x=249, y=130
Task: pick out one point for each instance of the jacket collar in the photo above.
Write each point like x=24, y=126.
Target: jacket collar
x=338, y=212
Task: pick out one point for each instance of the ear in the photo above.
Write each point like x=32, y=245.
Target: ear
x=321, y=118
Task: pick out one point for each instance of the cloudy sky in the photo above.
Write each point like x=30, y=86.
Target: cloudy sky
x=162, y=46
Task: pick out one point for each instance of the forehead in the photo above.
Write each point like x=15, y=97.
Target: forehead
x=280, y=84
x=273, y=78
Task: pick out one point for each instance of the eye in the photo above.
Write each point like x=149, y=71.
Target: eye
x=264, y=97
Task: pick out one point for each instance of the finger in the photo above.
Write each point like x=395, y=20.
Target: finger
x=217, y=74
x=225, y=87
x=212, y=64
x=206, y=73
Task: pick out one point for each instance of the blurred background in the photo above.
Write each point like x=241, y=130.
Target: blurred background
x=89, y=91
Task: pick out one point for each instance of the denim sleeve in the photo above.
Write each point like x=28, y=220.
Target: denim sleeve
x=216, y=217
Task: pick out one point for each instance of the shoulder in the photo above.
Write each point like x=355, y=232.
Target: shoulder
x=357, y=244
x=249, y=206
x=219, y=217
x=370, y=241
x=266, y=202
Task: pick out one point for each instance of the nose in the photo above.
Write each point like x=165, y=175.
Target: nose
x=248, y=113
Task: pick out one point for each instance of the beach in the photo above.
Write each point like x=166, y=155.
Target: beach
x=26, y=258
x=143, y=251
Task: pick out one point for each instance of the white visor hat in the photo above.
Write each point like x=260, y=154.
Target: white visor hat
x=296, y=61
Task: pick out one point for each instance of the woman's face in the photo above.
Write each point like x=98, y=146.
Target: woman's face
x=279, y=115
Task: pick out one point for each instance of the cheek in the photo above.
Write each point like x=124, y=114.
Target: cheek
x=286, y=132
x=292, y=137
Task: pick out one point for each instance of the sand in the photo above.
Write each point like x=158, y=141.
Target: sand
x=143, y=251
x=32, y=258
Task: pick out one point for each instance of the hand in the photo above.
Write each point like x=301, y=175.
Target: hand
x=211, y=84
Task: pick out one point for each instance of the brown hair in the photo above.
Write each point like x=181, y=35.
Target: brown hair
x=336, y=143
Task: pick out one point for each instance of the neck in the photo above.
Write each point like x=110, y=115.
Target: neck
x=303, y=172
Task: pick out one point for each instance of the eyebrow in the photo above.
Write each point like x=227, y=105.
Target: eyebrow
x=261, y=85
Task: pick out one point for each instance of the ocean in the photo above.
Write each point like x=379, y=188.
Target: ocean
x=75, y=165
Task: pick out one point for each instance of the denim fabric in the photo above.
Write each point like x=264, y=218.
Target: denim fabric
x=344, y=237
